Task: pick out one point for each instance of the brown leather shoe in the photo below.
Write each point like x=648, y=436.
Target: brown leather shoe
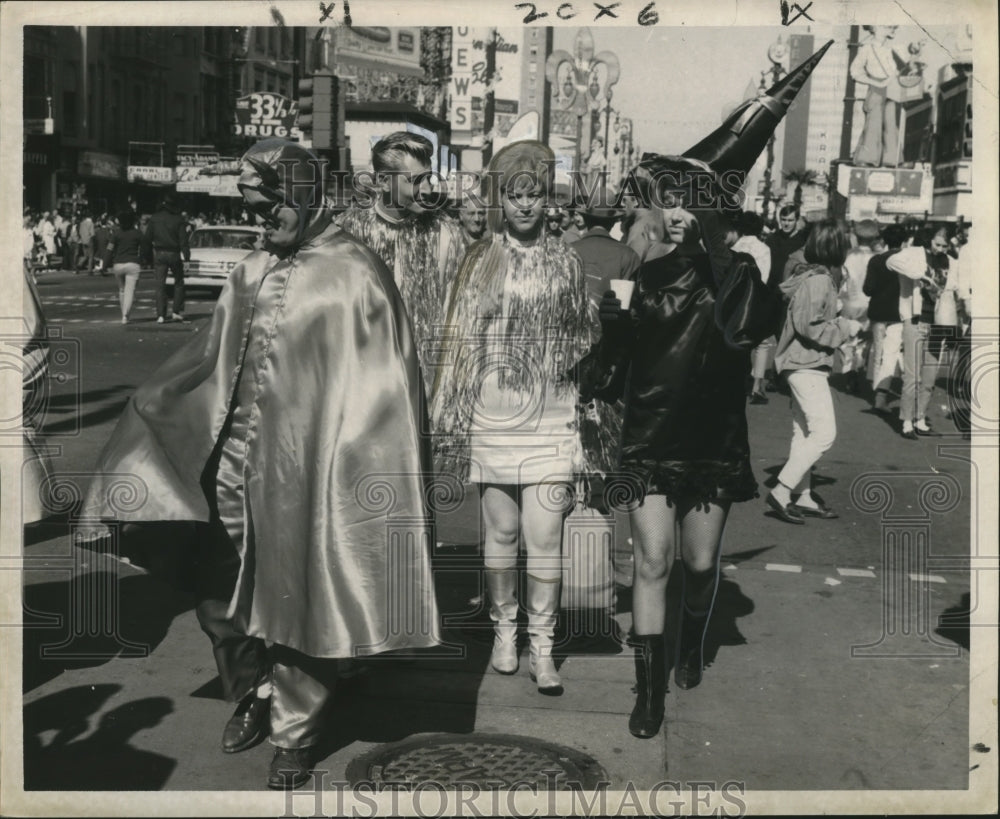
x=248, y=725
x=290, y=768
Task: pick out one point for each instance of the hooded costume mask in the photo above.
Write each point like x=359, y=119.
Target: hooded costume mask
x=277, y=173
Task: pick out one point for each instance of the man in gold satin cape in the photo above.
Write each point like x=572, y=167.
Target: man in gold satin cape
x=414, y=237
x=291, y=431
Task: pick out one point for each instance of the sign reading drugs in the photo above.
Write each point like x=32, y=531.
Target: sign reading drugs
x=266, y=114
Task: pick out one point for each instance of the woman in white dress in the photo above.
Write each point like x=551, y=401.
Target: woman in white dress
x=505, y=404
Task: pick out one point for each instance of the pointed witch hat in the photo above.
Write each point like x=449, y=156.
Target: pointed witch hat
x=736, y=144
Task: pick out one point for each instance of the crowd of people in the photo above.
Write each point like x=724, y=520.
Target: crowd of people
x=76, y=239
x=530, y=351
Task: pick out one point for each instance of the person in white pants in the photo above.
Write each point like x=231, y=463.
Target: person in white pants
x=882, y=288
x=811, y=335
x=926, y=275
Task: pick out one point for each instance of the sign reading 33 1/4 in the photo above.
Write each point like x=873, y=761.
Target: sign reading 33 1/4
x=266, y=114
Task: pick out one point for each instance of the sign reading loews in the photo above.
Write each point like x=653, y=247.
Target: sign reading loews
x=266, y=114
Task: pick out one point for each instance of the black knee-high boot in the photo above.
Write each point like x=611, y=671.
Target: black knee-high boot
x=650, y=686
x=699, y=593
x=690, y=660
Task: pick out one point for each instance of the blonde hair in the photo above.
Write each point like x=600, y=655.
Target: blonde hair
x=529, y=160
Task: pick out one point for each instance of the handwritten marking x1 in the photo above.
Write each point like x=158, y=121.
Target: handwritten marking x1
x=785, y=11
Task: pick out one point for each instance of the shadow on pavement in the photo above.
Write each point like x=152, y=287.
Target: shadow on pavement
x=104, y=760
x=92, y=618
x=749, y=554
x=730, y=605
x=954, y=622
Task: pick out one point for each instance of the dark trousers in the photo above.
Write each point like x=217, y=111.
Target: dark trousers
x=242, y=661
x=163, y=261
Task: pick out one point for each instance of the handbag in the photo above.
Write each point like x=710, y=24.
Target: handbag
x=946, y=310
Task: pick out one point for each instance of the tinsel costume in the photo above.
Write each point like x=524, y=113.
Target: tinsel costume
x=423, y=252
x=506, y=406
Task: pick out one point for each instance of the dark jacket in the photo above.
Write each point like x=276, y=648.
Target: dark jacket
x=684, y=430
x=124, y=247
x=882, y=285
x=166, y=230
x=782, y=246
x=604, y=258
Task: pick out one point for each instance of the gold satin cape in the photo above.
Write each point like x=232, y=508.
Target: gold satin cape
x=336, y=552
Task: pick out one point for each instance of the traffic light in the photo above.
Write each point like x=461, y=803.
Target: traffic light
x=318, y=110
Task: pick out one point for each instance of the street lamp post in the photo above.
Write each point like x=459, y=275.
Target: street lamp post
x=608, y=94
x=578, y=73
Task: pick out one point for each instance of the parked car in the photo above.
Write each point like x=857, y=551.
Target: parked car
x=215, y=251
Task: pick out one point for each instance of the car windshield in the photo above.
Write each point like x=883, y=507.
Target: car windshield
x=237, y=239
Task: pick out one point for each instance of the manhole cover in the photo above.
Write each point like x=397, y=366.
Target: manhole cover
x=486, y=760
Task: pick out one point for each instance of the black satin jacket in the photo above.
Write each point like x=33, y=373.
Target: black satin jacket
x=682, y=366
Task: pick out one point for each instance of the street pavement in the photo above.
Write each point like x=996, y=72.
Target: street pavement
x=838, y=651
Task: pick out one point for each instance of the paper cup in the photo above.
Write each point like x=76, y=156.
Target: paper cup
x=623, y=291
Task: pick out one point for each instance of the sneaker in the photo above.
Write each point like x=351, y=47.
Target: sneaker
x=124, y=320
x=159, y=319
x=176, y=317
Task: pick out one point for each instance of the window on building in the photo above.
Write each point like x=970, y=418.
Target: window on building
x=179, y=107
x=137, y=123
x=272, y=81
x=36, y=87
x=258, y=80
x=157, y=111
x=116, y=110
x=272, y=41
x=260, y=37
x=93, y=94
x=70, y=127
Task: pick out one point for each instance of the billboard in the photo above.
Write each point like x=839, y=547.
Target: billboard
x=266, y=114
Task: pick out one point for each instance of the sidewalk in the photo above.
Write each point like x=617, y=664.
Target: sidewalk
x=783, y=705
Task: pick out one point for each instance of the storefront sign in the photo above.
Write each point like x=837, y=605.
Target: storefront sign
x=100, y=164
x=901, y=204
x=40, y=150
x=266, y=114
x=227, y=187
x=189, y=159
x=191, y=180
x=190, y=162
x=151, y=173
